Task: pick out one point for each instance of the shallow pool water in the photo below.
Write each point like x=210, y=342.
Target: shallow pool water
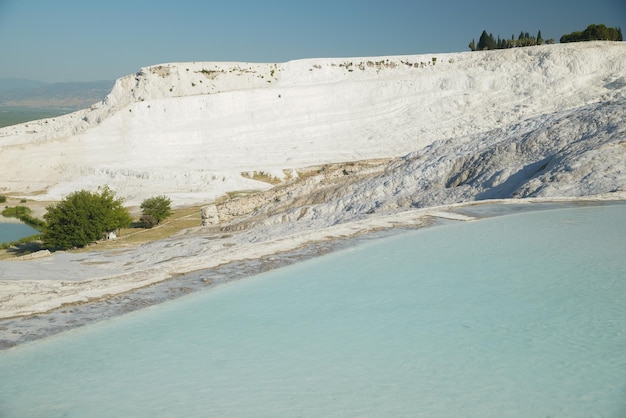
x=519, y=315
x=13, y=231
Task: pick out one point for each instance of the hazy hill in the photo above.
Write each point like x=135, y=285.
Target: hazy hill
x=30, y=93
x=8, y=84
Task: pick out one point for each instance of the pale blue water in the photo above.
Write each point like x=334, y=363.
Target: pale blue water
x=10, y=232
x=520, y=315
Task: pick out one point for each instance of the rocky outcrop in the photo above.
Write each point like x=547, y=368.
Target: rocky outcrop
x=312, y=186
x=209, y=215
x=577, y=153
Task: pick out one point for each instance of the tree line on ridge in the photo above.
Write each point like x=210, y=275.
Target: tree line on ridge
x=591, y=33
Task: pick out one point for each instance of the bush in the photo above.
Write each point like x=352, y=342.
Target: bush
x=23, y=214
x=593, y=33
x=148, y=221
x=16, y=211
x=3, y=198
x=155, y=209
x=36, y=223
x=83, y=217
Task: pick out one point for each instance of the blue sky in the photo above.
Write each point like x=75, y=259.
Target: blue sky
x=87, y=40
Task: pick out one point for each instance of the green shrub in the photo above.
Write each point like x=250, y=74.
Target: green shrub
x=592, y=33
x=16, y=211
x=23, y=213
x=34, y=222
x=83, y=217
x=3, y=198
x=148, y=221
x=158, y=208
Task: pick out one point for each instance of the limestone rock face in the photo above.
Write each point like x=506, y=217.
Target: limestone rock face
x=569, y=154
x=190, y=130
x=209, y=215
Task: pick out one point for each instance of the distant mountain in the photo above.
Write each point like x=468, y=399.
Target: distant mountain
x=30, y=93
x=7, y=84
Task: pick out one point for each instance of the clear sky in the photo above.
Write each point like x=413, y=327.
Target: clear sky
x=88, y=40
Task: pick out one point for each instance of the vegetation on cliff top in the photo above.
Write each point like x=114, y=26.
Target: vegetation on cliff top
x=592, y=33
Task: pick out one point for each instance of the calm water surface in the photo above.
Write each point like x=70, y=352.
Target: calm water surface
x=519, y=315
x=10, y=232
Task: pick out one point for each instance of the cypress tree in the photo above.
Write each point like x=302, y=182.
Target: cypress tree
x=483, y=41
x=491, y=42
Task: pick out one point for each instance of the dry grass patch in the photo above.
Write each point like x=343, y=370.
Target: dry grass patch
x=235, y=194
x=262, y=176
x=180, y=220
